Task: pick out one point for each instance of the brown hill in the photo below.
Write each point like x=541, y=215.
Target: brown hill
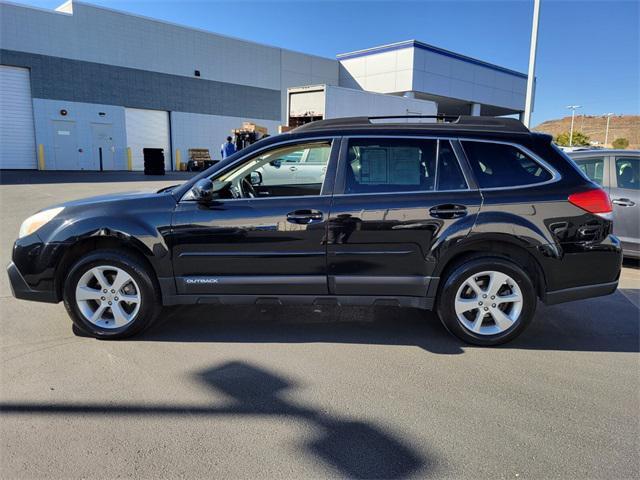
x=625, y=126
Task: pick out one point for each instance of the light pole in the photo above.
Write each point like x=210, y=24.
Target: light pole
x=606, y=135
x=528, y=104
x=573, y=116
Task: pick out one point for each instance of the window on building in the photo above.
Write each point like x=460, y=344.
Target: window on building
x=502, y=165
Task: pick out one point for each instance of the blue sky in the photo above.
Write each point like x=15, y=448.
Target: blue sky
x=588, y=51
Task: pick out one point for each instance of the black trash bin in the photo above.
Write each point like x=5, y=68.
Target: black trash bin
x=153, y=161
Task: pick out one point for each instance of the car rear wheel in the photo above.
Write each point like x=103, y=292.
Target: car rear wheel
x=487, y=301
x=111, y=294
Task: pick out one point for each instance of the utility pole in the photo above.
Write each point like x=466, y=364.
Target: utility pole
x=606, y=135
x=531, y=76
x=573, y=116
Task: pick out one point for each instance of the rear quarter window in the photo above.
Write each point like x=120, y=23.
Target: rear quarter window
x=592, y=167
x=503, y=165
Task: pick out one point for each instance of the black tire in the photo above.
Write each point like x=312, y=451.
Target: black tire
x=459, y=274
x=150, y=303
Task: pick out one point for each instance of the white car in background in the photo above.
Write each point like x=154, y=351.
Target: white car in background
x=305, y=166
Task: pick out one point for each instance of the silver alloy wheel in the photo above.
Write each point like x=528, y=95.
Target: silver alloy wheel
x=488, y=303
x=108, y=296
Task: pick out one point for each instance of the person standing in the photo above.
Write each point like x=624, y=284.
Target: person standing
x=227, y=149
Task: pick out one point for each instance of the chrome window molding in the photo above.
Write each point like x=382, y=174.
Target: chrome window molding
x=336, y=143
x=225, y=200
x=415, y=192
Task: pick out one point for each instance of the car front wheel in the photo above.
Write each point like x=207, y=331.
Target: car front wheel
x=111, y=294
x=487, y=301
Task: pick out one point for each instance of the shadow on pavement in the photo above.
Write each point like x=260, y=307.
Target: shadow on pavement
x=349, y=325
x=30, y=177
x=608, y=324
x=356, y=449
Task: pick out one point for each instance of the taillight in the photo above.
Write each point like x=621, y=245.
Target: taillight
x=593, y=201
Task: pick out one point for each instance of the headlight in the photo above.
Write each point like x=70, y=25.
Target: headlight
x=34, y=222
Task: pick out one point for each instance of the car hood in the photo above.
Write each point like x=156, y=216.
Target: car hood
x=141, y=195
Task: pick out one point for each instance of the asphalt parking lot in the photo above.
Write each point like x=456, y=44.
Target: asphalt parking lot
x=297, y=393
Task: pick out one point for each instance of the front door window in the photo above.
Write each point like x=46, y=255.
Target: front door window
x=293, y=170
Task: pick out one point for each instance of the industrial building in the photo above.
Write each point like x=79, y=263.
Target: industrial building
x=87, y=88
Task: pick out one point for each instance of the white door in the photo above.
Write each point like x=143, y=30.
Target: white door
x=147, y=129
x=102, y=148
x=65, y=145
x=17, y=136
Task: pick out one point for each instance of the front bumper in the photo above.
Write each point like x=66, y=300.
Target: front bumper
x=23, y=291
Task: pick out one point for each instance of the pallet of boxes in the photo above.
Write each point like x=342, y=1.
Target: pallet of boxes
x=199, y=159
x=249, y=133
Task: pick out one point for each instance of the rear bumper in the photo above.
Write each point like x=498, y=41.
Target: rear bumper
x=584, y=271
x=23, y=291
x=580, y=293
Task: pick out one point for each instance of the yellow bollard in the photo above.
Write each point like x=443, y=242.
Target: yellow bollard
x=41, y=165
x=178, y=160
x=129, y=160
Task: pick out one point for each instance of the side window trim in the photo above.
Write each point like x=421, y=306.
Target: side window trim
x=341, y=165
x=611, y=170
x=555, y=175
x=327, y=186
x=463, y=161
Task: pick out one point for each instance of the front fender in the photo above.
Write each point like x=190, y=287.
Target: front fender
x=143, y=234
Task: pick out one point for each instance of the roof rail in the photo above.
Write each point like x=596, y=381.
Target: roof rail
x=490, y=123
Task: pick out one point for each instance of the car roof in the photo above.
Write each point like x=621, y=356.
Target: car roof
x=404, y=123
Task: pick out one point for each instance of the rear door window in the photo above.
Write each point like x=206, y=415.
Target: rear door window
x=401, y=165
x=503, y=165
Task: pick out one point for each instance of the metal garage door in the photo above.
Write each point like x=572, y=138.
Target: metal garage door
x=17, y=136
x=147, y=129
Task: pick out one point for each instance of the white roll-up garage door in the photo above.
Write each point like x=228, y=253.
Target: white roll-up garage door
x=147, y=129
x=17, y=136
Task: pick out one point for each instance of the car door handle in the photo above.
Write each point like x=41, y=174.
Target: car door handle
x=304, y=217
x=448, y=211
x=623, y=202
x=293, y=169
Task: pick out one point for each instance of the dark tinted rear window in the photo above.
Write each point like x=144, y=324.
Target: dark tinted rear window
x=502, y=165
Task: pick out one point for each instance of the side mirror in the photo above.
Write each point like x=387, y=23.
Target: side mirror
x=276, y=163
x=203, y=190
x=256, y=178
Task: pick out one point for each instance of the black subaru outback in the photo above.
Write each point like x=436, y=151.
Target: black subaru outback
x=477, y=219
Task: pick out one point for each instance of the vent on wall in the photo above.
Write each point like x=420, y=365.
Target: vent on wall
x=197, y=73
